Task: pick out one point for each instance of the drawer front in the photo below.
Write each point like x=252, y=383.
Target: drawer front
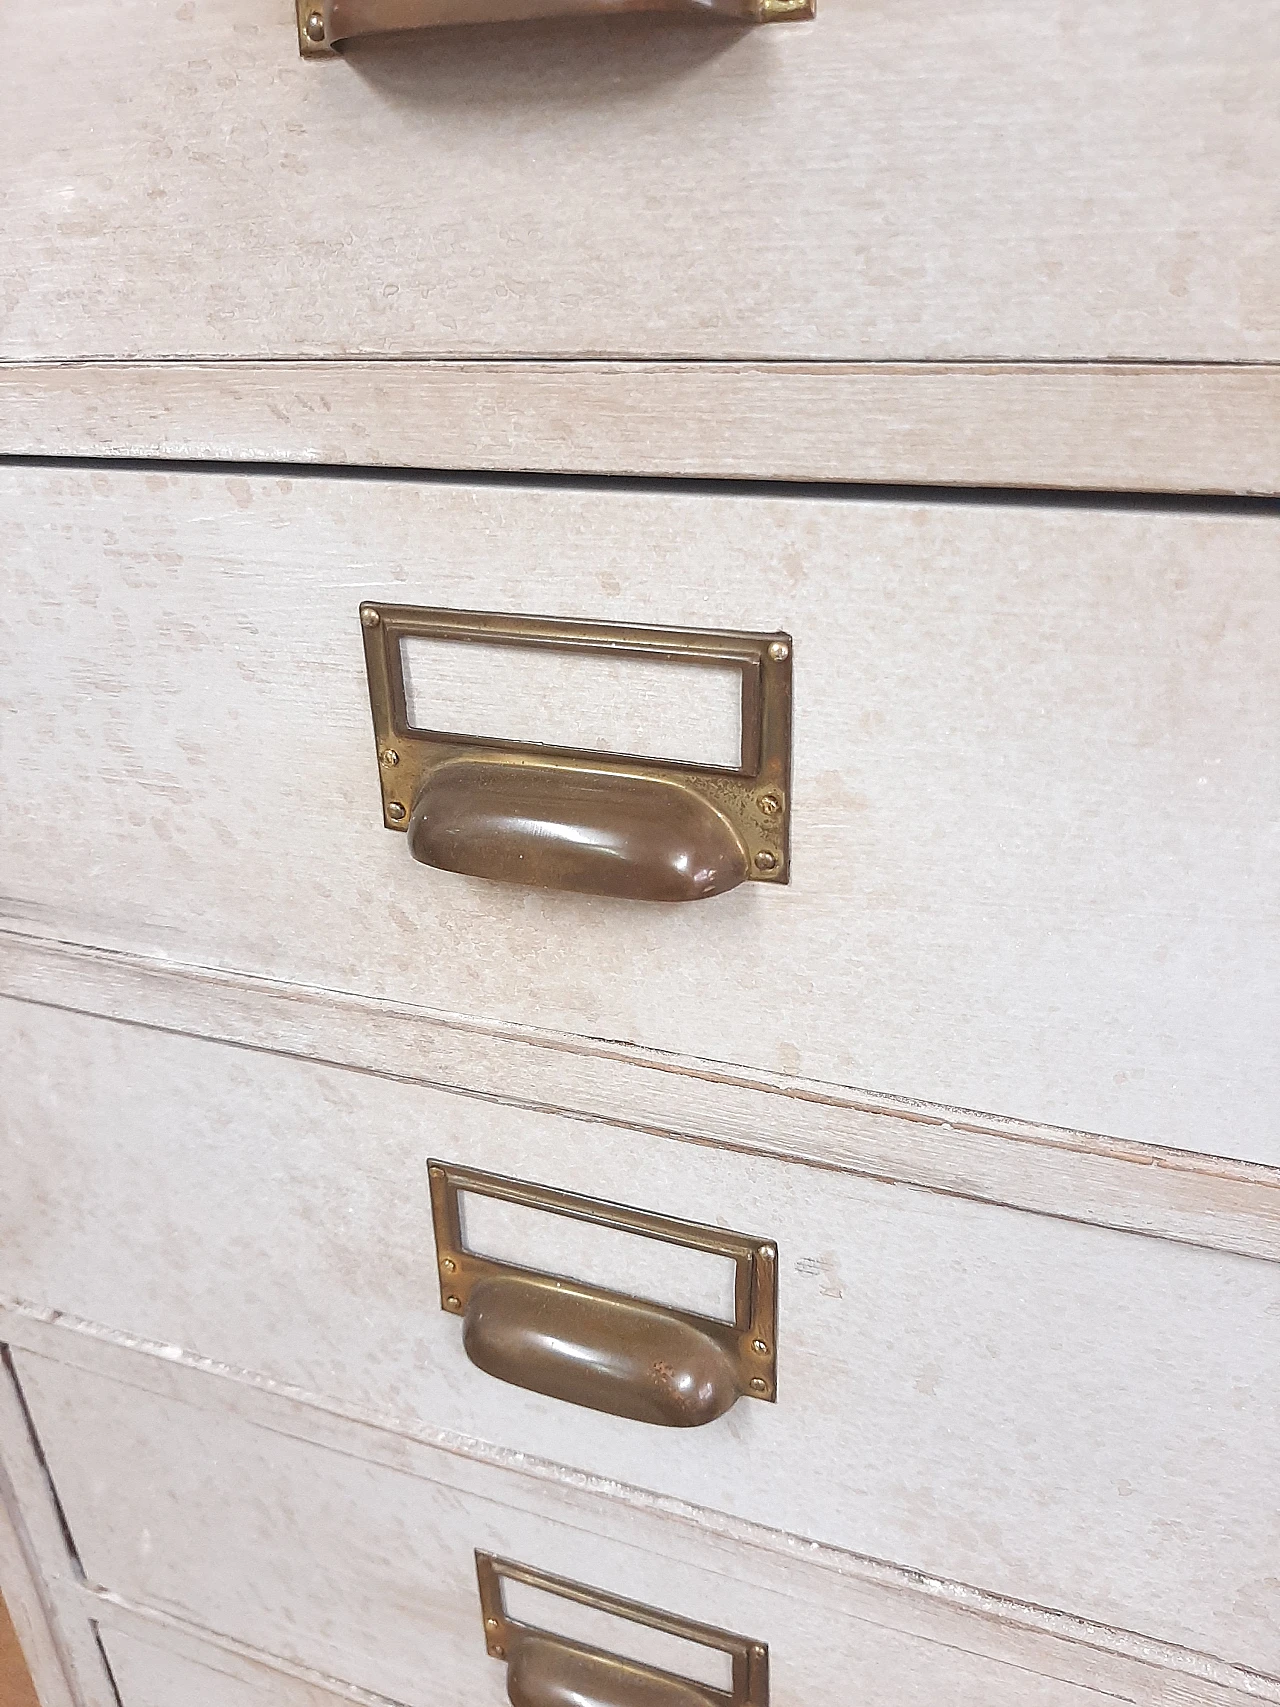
x=918, y=181
x=1034, y=783
x=366, y=1574
x=998, y=1389
x=148, y=1671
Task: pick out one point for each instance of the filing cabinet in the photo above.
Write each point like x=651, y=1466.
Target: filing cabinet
x=644, y=1090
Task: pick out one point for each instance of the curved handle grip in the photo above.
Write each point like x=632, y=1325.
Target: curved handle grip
x=544, y=1670
x=610, y=1353
x=324, y=23
x=599, y=833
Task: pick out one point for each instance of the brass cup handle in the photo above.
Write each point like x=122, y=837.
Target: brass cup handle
x=322, y=24
x=596, y=823
x=544, y=1670
x=605, y=1350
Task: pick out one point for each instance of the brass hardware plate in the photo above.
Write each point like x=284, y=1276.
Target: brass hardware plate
x=755, y=797
x=322, y=23
x=312, y=42
x=750, y=1659
x=750, y=1340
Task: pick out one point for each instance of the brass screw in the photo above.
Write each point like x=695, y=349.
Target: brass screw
x=768, y=1252
x=448, y=1265
x=499, y=1653
x=368, y=616
x=759, y=1347
x=491, y=1623
x=779, y=651
x=453, y=1302
x=769, y=804
x=395, y=811
x=315, y=32
x=765, y=861
x=391, y=757
x=758, y=1384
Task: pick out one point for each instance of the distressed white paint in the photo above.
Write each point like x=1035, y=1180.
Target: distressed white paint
x=996, y=1390
x=364, y=1572
x=148, y=1672
x=1164, y=427
x=1075, y=179
x=1173, y=1194
x=1035, y=798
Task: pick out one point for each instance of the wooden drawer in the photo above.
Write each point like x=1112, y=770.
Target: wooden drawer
x=1034, y=789
x=996, y=1389
x=912, y=181
x=361, y=1574
x=152, y=1668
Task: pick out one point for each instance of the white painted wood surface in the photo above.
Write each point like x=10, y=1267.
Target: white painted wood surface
x=1160, y=427
x=149, y=1673
x=1034, y=798
x=38, y=1575
x=910, y=181
x=998, y=1390
x=1172, y=1194
x=363, y=1571
x=845, y=1586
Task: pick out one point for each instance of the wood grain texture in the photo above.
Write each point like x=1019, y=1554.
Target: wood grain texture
x=156, y=1668
x=999, y=1389
x=407, y=1510
x=1208, y=1201
x=1155, y=428
x=914, y=181
x=16, y=1686
x=38, y=1576
x=1034, y=808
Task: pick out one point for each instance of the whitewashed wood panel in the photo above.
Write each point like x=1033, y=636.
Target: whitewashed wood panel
x=918, y=180
x=1160, y=427
x=148, y=1672
x=1035, y=791
x=996, y=1390
x=367, y=1574
x=1196, y=1199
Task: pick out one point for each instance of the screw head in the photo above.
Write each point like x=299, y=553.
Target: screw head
x=453, y=1301
x=448, y=1265
x=768, y=1252
x=758, y=1384
x=498, y=1652
x=765, y=861
x=391, y=757
x=395, y=811
x=769, y=804
x=368, y=616
x=759, y=1347
x=779, y=651
x=491, y=1623
x=315, y=26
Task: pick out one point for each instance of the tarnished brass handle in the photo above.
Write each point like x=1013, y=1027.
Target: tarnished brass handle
x=603, y=1350
x=634, y=828
x=548, y=1670
x=598, y=1349
x=322, y=24
x=560, y=827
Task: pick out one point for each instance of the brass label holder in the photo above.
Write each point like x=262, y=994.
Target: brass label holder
x=755, y=797
x=749, y=1341
x=505, y=1635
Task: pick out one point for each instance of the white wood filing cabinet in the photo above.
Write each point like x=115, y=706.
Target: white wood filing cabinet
x=640, y=871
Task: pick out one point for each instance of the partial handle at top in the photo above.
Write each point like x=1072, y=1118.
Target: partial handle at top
x=322, y=24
